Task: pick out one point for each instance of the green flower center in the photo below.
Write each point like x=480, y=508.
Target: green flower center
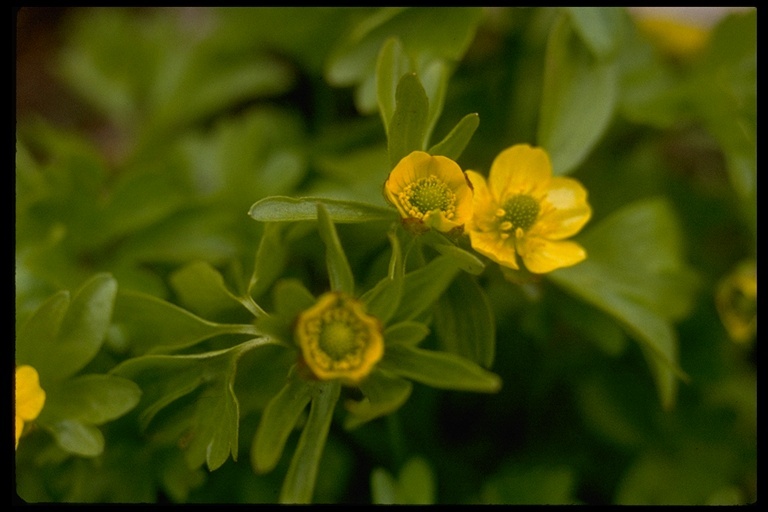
x=339, y=339
x=518, y=211
x=428, y=194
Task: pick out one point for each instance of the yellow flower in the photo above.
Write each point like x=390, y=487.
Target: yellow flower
x=736, y=301
x=432, y=190
x=679, y=32
x=338, y=339
x=30, y=397
x=523, y=210
x=673, y=37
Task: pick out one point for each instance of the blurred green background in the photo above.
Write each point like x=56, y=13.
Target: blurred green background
x=144, y=136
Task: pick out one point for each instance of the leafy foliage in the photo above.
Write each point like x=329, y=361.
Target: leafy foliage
x=211, y=172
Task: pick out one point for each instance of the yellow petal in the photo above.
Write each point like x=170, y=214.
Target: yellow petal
x=19, y=429
x=484, y=204
x=541, y=256
x=492, y=245
x=521, y=169
x=567, y=210
x=418, y=165
x=30, y=397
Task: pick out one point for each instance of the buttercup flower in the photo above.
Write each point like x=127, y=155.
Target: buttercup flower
x=523, y=210
x=338, y=339
x=430, y=189
x=736, y=301
x=30, y=397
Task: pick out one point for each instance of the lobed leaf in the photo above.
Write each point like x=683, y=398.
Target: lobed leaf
x=278, y=421
x=63, y=335
x=151, y=324
x=201, y=287
x=90, y=399
x=299, y=483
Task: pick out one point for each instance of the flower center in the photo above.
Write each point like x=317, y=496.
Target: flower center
x=519, y=211
x=428, y=194
x=338, y=339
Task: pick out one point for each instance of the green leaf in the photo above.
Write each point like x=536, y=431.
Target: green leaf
x=453, y=145
x=270, y=261
x=37, y=336
x=90, y=399
x=150, y=324
x=382, y=300
x=538, y=485
x=201, y=288
x=339, y=272
x=62, y=336
x=78, y=438
x=600, y=28
x=407, y=131
x=392, y=63
x=278, y=421
x=406, y=333
x=299, y=483
x=464, y=321
x=578, y=99
x=465, y=260
x=211, y=424
x=424, y=286
x=634, y=271
x=288, y=209
x=290, y=298
x=426, y=34
x=414, y=486
x=383, y=394
x=215, y=428
x=439, y=369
